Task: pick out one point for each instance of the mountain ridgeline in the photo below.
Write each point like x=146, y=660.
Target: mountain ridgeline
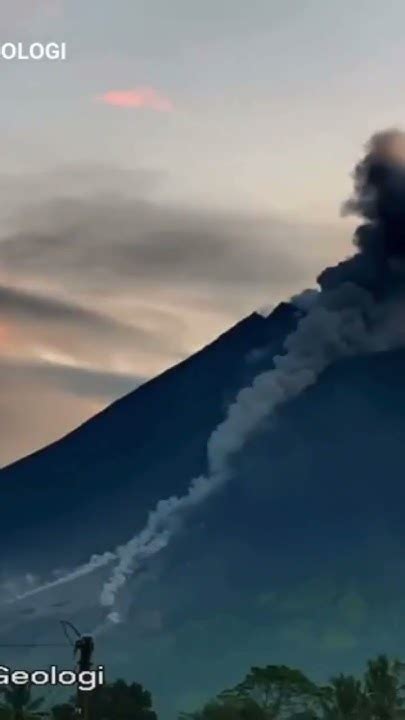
x=152, y=441
x=298, y=559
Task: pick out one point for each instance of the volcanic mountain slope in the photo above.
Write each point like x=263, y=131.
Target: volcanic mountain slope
x=149, y=443
x=299, y=559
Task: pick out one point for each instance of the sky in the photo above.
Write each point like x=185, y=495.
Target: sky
x=183, y=167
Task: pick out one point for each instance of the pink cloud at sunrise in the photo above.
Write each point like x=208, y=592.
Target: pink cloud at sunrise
x=141, y=97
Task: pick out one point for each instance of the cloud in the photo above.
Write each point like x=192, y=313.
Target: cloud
x=110, y=241
x=80, y=381
x=41, y=400
x=61, y=363
x=141, y=97
x=102, y=283
x=25, y=308
x=73, y=346
x=21, y=304
x=34, y=413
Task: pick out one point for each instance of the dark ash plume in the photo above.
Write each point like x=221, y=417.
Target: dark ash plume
x=379, y=198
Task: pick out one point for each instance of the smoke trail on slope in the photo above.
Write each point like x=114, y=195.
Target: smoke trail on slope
x=346, y=318
x=95, y=563
x=352, y=314
x=343, y=323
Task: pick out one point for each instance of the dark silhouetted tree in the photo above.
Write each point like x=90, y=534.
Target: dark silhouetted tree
x=66, y=711
x=120, y=701
x=279, y=690
x=344, y=699
x=384, y=688
x=228, y=708
x=269, y=693
x=18, y=703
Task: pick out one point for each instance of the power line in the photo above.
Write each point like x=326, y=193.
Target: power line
x=66, y=625
x=84, y=646
x=31, y=645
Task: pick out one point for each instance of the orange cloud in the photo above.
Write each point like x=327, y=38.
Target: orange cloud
x=142, y=97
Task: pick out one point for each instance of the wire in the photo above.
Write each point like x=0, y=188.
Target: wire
x=65, y=625
x=26, y=645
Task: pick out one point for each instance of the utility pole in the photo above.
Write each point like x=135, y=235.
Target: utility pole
x=84, y=648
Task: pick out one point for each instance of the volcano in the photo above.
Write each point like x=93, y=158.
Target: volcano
x=245, y=507
x=298, y=559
